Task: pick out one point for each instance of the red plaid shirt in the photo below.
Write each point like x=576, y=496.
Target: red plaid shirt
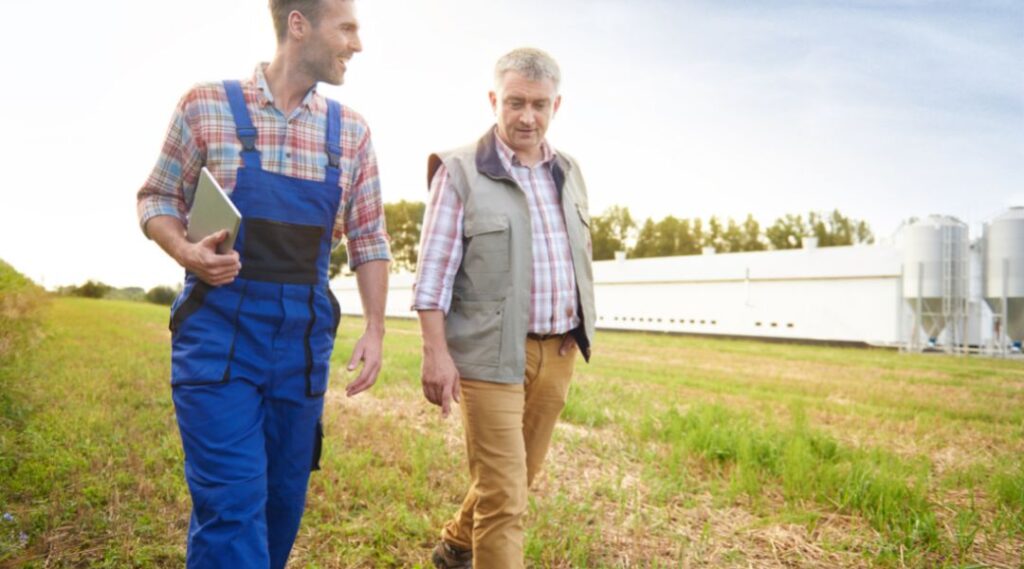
x=202, y=133
x=553, y=307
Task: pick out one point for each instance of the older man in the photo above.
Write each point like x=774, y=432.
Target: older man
x=253, y=329
x=504, y=293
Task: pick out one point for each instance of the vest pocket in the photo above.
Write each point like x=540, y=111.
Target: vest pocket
x=473, y=330
x=487, y=245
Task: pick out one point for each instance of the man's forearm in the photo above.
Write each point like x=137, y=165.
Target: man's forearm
x=432, y=328
x=372, y=277
x=169, y=234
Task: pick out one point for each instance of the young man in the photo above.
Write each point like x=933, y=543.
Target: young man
x=253, y=329
x=505, y=298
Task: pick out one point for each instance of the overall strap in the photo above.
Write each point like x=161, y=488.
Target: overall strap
x=333, y=142
x=243, y=125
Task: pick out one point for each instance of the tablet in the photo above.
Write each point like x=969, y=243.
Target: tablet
x=212, y=210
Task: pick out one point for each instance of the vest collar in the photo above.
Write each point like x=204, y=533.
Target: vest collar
x=489, y=163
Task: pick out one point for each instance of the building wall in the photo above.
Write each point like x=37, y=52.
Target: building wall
x=846, y=294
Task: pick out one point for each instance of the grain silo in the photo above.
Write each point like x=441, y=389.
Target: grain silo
x=1004, y=277
x=935, y=282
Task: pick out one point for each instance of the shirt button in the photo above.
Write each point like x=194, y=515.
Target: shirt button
x=568, y=312
x=288, y=155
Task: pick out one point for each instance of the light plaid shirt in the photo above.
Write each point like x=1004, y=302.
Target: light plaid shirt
x=553, y=307
x=202, y=133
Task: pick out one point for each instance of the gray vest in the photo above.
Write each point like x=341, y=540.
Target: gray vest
x=486, y=325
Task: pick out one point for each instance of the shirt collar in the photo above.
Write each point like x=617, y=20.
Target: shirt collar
x=312, y=100
x=508, y=156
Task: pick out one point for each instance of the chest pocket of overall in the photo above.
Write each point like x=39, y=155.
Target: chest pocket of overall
x=280, y=252
x=487, y=244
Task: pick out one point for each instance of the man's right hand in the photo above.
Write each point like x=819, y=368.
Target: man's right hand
x=440, y=379
x=203, y=260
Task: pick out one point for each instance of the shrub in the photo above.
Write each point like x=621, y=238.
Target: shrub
x=161, y=295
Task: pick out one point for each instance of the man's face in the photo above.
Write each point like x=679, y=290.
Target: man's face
x=524, y=109
x=331, y=43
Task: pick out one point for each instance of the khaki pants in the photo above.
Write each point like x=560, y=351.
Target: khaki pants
x=508, y=431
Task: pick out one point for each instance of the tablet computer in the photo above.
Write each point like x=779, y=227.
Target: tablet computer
x=212, y=210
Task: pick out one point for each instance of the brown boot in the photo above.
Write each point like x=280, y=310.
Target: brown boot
x=447, y=556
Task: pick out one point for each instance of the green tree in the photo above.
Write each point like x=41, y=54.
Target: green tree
x=339, y=258
x=832, y=230
x=787, y=232
x=751, y=238
x=91, y=289
x=161, y=295
x=836, y=229
x=646, y=241
x=666, y=237
x=691, y=236
x=610, y=231
x=713, y=237
x=732, y=238
x=405, y=220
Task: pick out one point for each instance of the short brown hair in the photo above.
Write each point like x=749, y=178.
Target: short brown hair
x=279, y=10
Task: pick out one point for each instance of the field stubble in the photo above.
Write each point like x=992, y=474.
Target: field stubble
x=674, y=452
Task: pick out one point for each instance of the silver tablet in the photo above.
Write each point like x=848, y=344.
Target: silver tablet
x=212, y=211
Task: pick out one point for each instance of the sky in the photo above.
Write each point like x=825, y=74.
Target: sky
x=883, y=109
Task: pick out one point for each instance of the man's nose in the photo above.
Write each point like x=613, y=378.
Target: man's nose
x=355, y=44
x=527, y=117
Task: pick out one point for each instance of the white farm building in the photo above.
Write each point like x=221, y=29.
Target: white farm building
x=927, y=287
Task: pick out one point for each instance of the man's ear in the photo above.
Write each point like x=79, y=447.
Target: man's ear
x=558, y=103
x=494, y=101
x=298, y=25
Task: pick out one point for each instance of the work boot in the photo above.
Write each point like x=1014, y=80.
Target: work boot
x=447, y=556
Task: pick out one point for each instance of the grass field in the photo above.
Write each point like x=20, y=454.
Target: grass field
x=673, y=452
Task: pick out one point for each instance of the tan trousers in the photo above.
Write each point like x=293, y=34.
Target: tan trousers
x=508, y=431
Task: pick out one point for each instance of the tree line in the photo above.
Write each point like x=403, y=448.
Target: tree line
x=614, y=230
x=617, y=230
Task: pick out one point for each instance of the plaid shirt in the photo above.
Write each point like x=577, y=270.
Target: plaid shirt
x=553, y=308
x=202, y=133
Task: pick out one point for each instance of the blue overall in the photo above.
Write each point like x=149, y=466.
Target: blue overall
x=249, y=362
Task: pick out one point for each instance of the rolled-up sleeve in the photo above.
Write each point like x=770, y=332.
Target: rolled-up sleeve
x=440, y=251
x=363, y=223
x=170, y=185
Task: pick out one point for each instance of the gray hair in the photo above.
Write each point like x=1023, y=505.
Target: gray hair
x=530, y=62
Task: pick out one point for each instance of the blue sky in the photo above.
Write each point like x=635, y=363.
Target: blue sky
x=884, y=110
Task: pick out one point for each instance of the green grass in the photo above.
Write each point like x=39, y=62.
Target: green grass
x=674, y=451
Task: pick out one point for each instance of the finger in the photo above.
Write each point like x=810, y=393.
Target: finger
x=433, y=394
x=357, y=387
x=457, y=390
x=221, y=262
x=211, y=241
x=357, y=354
x=366, y=379
x=564, y=348
x=446, y=400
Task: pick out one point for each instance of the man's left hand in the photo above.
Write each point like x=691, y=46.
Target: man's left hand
x=568, y=343
x=368, y=350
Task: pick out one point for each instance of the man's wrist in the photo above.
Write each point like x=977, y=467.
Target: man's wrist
x=374, y=329
x=435, y=347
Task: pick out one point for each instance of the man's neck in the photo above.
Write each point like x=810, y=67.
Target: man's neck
x=528, y=158
x=287, y=82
